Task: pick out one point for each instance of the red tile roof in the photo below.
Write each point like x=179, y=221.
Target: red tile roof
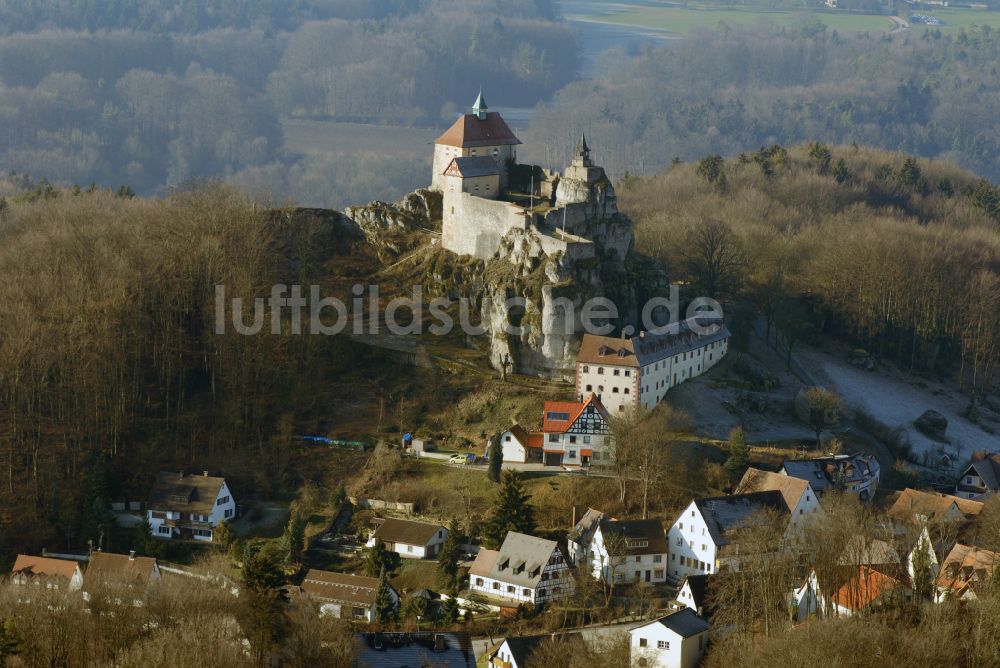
x=866, y=587
x=572, y=409
x=468, y=132
x=32, y=565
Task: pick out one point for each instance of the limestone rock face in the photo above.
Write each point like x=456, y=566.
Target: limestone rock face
x=417, y=210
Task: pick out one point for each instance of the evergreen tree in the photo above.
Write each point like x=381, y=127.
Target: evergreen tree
x=739, y=452
x=295, y=537
x=377, y=559
x=451, y=550
x=262, y=572
x=143, y=542
x=496, y=459
x=222, y=535
x=513, y=510
x=450, y=608
x=10, y=640
x=338, y=497
x=385, y=607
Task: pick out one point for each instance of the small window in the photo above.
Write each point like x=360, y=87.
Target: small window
x=479, y=582
x=627, y=373
x=507, y=438
x=617, y=372
x=600, y=371
x=662, y=644
x=642, y=642
x=586, y=368
x=590, y=388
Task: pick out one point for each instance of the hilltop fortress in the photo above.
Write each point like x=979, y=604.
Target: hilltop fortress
x=487, y=195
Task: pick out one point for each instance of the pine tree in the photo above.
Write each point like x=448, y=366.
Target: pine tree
x=513, y=510
x=450, y=608
x=222, y=535
x=262, y=572
x=385, y=607
x=451, y=550
x=295, y=537
x=739, y=452
x=338, y=497
x=10, y=640
x=377, y=559
x=496, y=459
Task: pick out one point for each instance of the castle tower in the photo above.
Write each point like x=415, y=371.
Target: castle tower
x=582, y=158
x=481, y=133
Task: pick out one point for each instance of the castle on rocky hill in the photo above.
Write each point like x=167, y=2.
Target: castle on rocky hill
x=487, y=194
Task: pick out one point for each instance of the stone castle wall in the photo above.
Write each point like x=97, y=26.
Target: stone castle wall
x=473, y=225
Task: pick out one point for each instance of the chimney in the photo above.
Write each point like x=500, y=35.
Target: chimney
x=131, y=555
x=181, y=474
x=574, y=514
x=205, y=473
x=439, y=645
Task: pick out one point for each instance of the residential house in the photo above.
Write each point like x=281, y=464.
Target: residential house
x=525, y=569
x=675, y=641
x=628, y=551
x=694, y=594
x=344, y=595
x=799, y=495
x=581, y=536
x=576, y=433
x=868, y=588
x=189, y=506
x=963, y=571
x=515, y=652
x=912, y=505
x=409, y=538
x=705, y=537
x=638, y=371
x=981, y=477
x=521, y=446
x=53, y=573
x=420, y=648
x=807, y=599
x=853, y=474
x=120, y=577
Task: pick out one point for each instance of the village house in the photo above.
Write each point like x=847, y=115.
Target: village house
x=913, y=505
x=705, y=537
x=409, y=538
x=525, y=569
x=414, y=648
x=521, y=446
x=981, y=477
x=344, y=595
x=694, y=594
x=965, y=570
x=678, y=640
x=869, y=588
x=189, y=507
x=515, y=651
x=118, y=577
x=576, y=433
x=53, y=573
x=798, y=494
x=619, y=551
x=853, y=474
x=627, y=373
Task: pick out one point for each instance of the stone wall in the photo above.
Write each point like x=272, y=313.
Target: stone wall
x=474, y=226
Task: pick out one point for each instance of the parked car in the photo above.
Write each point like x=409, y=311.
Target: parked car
x=458, y=459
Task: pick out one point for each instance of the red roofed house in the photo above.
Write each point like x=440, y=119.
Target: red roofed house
x=867, y=589
x=520, y=445
x=576, y=433
x=965, y=570
x=54, y=573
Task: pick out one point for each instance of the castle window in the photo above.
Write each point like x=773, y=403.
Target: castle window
x=600, y=371
x=627, y=373
x=617, y=372
x=590, y=388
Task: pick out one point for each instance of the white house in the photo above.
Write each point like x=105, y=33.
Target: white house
x=521, y=446
x=344, y=595
x=576, y=433
x=626, y=373
x=621, y=551
x=853, y=474
x=981, y=477
x=53, y=573
x=516, y=651
x=675, y=641
x=525, y=569
x=410, y=539
x=189, y=506
x=705, y=537
x=694, y=594
x=799, y=496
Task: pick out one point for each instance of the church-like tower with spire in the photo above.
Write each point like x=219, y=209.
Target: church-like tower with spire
x=483, y=133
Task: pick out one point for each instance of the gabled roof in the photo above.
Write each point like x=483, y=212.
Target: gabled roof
x=422, y=648
x=757, y=480
x=185, y=493
x=933, y=506
x=110, y=567
x=824, y=472
x=522, y=647
x=470, y=132
x=967, y=567
x=558, y=416
x=698, y=584
x=647, y=348
x=472, y=166
x=987, y=467
x=685, y=623
x=407, y=532
x=340, y=587
x=723, y=514
x=870, y=551
x=609, y=350
x=864, y=588
x=30, y=565
x=519, y=561
x=636, y=532
x=526, y=438
x=586, y=526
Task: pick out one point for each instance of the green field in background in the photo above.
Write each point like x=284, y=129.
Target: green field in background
x=683, y=19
